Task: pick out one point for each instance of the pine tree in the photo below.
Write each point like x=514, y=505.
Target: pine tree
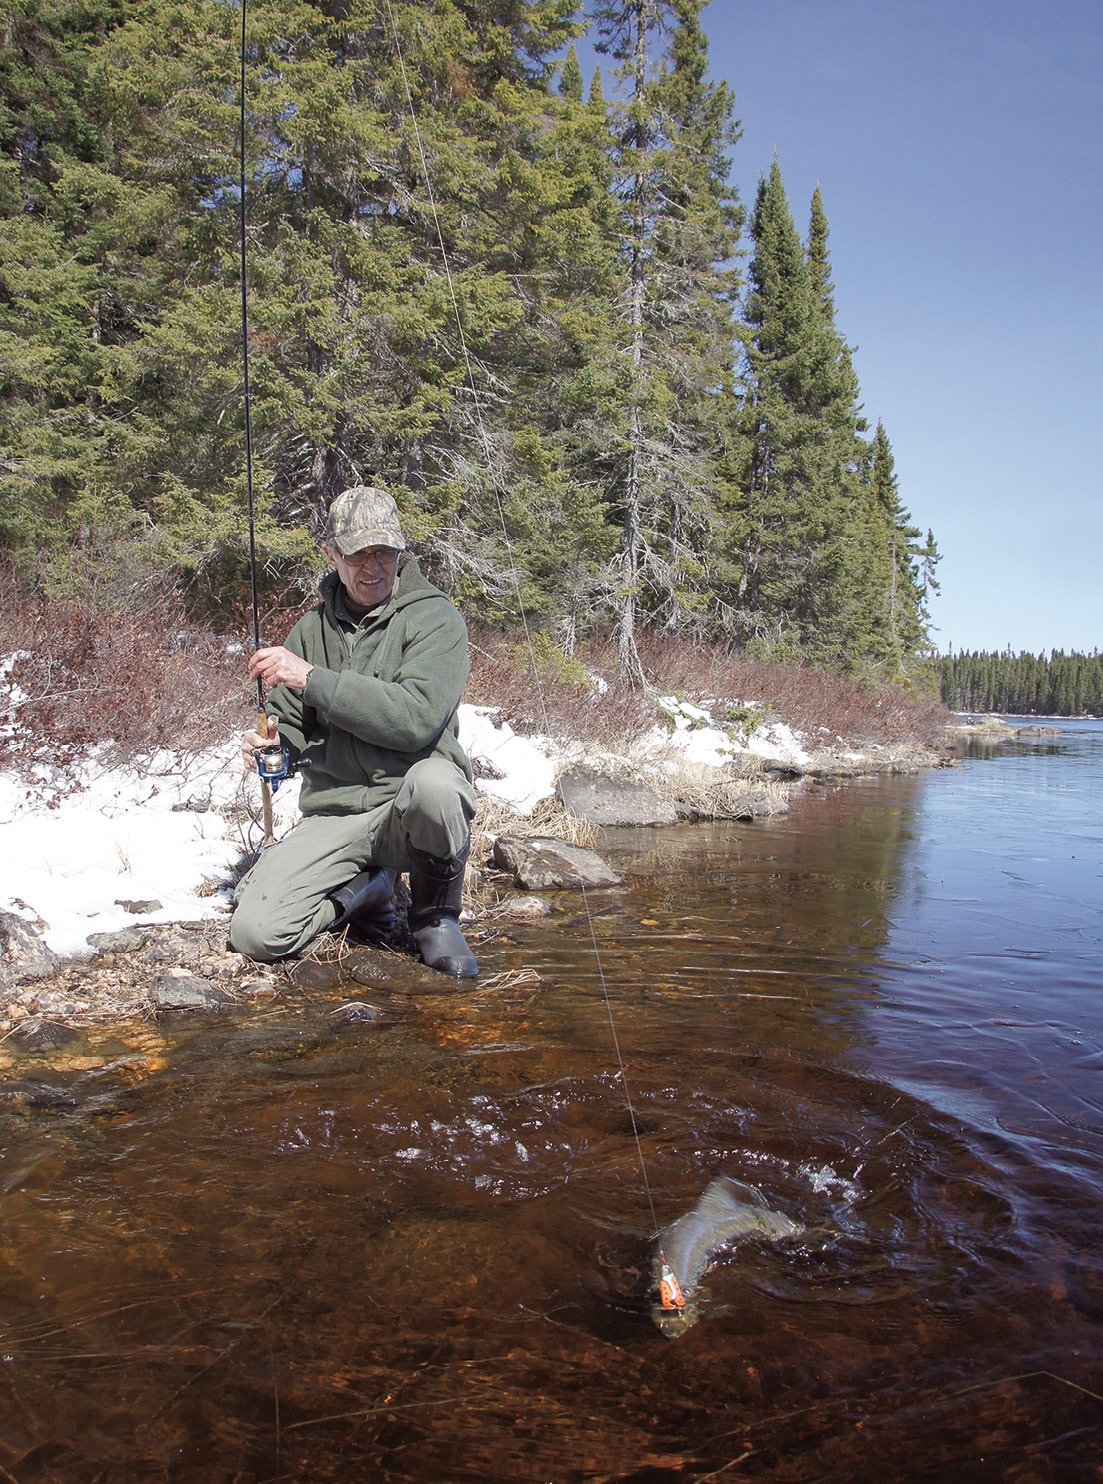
x=817, y=566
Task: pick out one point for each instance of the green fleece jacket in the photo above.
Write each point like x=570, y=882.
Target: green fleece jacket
x=381, y=695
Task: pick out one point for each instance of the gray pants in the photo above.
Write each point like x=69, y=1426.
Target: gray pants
x=283, y=901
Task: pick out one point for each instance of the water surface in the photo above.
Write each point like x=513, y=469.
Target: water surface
x=420, y=1250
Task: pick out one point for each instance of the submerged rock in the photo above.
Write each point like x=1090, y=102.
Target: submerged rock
x=359, y=1012
x=525, y=908
x=24, y=1092
x=540, y=864
x=39, y=1034
x=316, y=973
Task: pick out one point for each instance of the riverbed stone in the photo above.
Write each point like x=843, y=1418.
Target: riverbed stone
x=126, y=940
x=173, y=992
x=526, y=908
x=602, y=799
x=24, y=957
x=359, y=1012
x=316, y=973
x=539, y=863
x=24, y=1092
x=39, y=1034
x=370, y=966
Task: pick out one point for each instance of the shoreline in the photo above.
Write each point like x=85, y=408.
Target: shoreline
x=55, y=1009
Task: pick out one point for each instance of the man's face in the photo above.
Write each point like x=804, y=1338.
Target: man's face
x=367, y=576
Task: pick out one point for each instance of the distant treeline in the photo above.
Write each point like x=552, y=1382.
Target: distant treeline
x=651, y=421
x=1059, y=684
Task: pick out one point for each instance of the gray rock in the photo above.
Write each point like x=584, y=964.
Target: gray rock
x=126, y=940
x=37, y=1034
x=185, y=992
x=525, y=907
x=603, y=800
x=24, y=957
x=540, y=864
x=138, y=907
x=759, y=803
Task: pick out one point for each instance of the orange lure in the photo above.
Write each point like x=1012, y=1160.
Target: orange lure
x=671, y=1297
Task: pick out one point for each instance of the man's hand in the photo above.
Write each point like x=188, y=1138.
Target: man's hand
x=278, y=666
x=253, y=742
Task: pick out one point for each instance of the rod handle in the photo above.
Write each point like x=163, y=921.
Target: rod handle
x=265, y=786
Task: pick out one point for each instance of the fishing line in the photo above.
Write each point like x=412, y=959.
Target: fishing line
x=499, y=494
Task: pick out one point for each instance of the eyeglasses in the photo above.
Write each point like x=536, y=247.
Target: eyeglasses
x=384, y=556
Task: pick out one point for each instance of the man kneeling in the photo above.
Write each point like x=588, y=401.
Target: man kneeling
x=366, y=692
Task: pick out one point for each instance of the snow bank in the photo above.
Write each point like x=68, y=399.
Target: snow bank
x=151, y=832
x=694, y=736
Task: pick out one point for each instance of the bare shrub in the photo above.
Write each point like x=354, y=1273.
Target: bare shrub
x=83, y=670
x=592, y=699
x=809, y=700
x=586, y=697
x=79, y=674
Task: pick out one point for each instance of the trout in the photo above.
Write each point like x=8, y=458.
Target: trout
x=727, y=1212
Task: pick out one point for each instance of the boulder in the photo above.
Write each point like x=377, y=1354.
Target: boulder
x=601, y=799
x=541, y=864
x=24, y=957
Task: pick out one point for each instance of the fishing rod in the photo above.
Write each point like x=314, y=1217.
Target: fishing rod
x=271, y=759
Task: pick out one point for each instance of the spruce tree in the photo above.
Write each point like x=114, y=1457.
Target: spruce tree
x=782, y=533
x=909, y=570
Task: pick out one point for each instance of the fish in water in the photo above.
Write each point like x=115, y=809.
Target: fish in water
x=727, y=1212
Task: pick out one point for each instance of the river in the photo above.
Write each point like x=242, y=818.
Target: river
x=287, y=1247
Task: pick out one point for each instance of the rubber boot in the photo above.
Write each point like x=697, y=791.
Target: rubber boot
x=436, y=897
x=365, y=905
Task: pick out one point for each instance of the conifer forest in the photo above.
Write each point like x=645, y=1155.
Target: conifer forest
x=1057, y=684
x=525, y=297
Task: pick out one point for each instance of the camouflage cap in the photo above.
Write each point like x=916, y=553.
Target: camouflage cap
x=363, y=516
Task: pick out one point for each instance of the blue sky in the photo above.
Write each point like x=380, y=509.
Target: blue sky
x=959, y=149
